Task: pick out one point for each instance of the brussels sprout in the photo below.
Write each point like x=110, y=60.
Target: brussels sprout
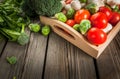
x=76, y=27
x=45, y=30
x=61, y=17
x=85, y=25
x=70, y=13
x=34, y=27
x=92, y=8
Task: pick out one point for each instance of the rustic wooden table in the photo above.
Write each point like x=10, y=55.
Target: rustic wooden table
x=53, y=57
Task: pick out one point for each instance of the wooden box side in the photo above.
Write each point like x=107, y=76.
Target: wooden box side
x=76, y=38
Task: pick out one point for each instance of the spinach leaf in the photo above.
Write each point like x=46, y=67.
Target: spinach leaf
x=10, y=34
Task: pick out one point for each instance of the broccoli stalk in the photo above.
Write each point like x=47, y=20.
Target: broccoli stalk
x=23, y=37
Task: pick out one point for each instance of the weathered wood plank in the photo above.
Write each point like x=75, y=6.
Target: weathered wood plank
x=35, y=57
x=56, y=62
x=8, y=71
x=65, y=61
x=81, y=66
x=2, y=44
x=109, y=62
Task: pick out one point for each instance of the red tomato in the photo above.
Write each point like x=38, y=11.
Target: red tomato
x=107, y=11
x=96, y=36
x=99, y=20
x=68, y=1
x=70, y=22
x=115, y=18
x=81, y=14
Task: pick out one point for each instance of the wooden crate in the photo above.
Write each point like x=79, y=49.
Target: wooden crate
x=77, y=39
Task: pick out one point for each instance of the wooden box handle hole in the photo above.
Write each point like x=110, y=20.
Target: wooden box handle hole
x=64, y=32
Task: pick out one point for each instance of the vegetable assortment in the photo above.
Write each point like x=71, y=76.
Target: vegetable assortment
x=93, y=19
x=15, y=16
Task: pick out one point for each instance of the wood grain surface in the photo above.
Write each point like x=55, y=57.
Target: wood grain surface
x=81, y=66
x=56, y=66
x=53, y=57
x=35, y=57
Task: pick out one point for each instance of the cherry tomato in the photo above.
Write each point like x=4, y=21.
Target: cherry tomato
x=81, y=14
x=68, y=1
x=99, y=20
x=115, y=18
x=107, y=11
x=96, y=36
x=70, y=22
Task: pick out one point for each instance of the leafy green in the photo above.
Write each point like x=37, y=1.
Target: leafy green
x=13, y=21
x=11, y=60
x=1, y=19
x=10, y=34
x=28, y=10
